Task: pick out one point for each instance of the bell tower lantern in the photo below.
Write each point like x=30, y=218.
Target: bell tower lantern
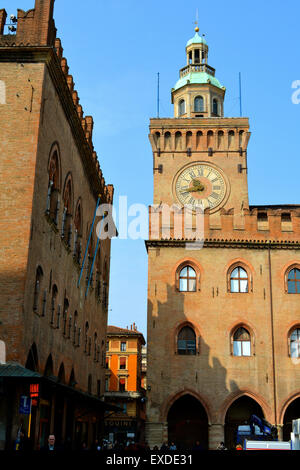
x=198, y=93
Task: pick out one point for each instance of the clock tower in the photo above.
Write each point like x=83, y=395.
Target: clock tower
x=219, y=312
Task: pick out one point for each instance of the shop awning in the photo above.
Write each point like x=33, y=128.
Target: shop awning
x=14, y=370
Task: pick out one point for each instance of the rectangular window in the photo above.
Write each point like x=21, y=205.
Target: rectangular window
x=107, y=345
x=262, y=221
x=294, y=349
x=122, y=384
x=183, y=285
x=98, y=388
x=107, y=384
x=234, y=285
x=107, y=363
x=286, y=222
x=246, y=348
x=237, y=348
x=123, y=346
x=122, y=362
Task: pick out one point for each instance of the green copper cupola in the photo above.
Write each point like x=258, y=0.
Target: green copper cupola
x=197, y=93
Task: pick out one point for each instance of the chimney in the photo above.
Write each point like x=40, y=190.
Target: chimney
x=3, y=16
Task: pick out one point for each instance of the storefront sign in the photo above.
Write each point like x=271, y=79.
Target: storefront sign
x=34, y=394
x=24, y=405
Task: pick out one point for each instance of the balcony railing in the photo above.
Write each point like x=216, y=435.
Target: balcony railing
x=197, y=68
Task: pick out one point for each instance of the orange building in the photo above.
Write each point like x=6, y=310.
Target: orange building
x=123, y=384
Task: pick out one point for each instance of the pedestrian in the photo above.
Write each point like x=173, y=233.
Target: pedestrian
x=239, y=447
x=173, y=446
x=51, y=445
x=197, y=446
x=84, y=446
x=221, y=446
x=164, y=447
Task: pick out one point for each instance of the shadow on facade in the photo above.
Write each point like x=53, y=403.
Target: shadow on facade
x=189, y=389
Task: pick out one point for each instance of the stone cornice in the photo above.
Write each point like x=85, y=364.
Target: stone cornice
x=47, y=55
x=196, y=123
x=224, y=243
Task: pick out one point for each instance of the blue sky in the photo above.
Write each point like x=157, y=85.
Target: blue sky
x=115, y=49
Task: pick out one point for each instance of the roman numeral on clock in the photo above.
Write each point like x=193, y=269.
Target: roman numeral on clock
x=214, y=195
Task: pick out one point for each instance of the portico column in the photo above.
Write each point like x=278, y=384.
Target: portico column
x=280, y=432
x=215, y=435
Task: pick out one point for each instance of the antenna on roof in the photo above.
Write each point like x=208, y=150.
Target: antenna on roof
x=240, y=87
x=158, y=94
x=197, y=21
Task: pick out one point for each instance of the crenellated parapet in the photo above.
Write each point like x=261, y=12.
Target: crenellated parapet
x=280, y=224
x=34, y=27
x=199, y=135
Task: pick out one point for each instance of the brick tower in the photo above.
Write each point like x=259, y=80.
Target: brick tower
x=50, y=180
x=223, y=319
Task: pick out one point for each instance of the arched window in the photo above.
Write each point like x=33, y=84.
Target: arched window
x=75, y=328
x=86, y=337
x=187, y=279
x=239, y=281
x=241, y=342
x=198, y=104
x=78, y=233
x=65, y=316
x=95, y=347
x=37, y=289
x=293, y=281
x=53, y=303
x=53, y=187
x=295, y=343
x=215, y=107
x=181, y=107
x=66, y=229
x=90, y=382
x=186, y=341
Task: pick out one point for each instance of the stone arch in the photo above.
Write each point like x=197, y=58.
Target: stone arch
x=210, y=139
x=61, y=374
x=289, y=412
x=178, y=141
x=285, y=404
x=32, y=361
x=267, y=411
x=165, y=407
x=199, y=138
x=167, y=141
x=48, y=370
x=72, y=379
x=238, y=412
x=187, y=420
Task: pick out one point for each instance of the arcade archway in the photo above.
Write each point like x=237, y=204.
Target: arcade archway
x=187, y=423
x=239, y=413
x=292, y=412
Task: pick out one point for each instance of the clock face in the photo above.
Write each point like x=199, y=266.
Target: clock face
x=200, y=185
